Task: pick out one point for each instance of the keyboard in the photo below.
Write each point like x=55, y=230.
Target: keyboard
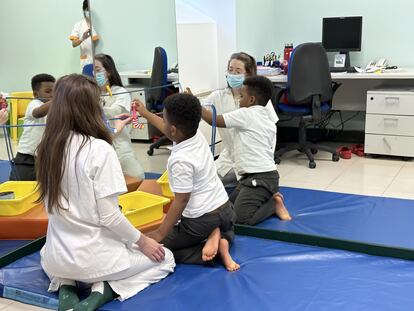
x=342, y=69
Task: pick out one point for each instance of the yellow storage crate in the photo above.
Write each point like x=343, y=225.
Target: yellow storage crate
x=25, y=195
x=141, y=208
x=165, y=185
x=18, y=109
x=20, y=121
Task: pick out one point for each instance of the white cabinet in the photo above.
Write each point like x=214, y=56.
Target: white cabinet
x=389, y=126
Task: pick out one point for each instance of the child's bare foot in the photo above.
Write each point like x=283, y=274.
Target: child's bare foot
x=228, y=261
x=210, y=248
x=280, y=208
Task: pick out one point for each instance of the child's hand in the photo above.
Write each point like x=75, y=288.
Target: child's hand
x=4, y=116
x=150, y=248
x=139, y=106
x=121, y=121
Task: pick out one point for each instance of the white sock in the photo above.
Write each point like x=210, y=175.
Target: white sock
x=98, y=287
x=67, y=282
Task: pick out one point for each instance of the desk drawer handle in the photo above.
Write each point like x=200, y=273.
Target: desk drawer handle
x=387, y=143
x=392, y=100
x=391, y=121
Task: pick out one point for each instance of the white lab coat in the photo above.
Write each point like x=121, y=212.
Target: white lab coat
x=112, y=106
x=224, y=102
x=84, y=245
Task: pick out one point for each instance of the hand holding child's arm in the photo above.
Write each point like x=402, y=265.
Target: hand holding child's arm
x=173, y=215
x=152, y=118
x=207, y=116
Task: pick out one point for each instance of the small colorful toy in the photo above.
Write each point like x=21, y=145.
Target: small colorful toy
x=135, y=122
x=3, y=103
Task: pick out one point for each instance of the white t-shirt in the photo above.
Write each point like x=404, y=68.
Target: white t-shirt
x=86, y=46
x=32, y=135
x=191, y=169
x=115, y=105
x=223, y=101
x=76, y=243
x=254, y=139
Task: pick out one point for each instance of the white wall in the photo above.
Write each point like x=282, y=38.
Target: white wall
x=34, y=38
x=265, y=25
x=223, y=15
x=131, y=29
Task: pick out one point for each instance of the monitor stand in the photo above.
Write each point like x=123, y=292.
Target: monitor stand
x=347, y=67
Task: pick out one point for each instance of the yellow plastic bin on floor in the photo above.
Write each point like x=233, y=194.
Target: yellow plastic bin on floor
x=141, y=208
x=165, y=186
x=24, y=197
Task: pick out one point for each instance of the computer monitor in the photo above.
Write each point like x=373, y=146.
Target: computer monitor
x=342, y=34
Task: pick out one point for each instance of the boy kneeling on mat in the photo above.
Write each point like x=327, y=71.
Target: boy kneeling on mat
x=201, y=205
x=257, y=197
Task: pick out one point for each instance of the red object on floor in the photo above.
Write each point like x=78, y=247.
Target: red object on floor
x=344, y=152
x=358, y=149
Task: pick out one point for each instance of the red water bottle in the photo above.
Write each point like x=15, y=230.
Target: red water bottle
x=286, y=56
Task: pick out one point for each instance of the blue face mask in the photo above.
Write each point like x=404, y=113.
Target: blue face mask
x=101, y=78
x=235, y=81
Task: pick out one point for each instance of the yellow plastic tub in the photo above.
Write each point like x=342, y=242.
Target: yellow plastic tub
x=141, y=208
x=165, y=185
x=25, y=195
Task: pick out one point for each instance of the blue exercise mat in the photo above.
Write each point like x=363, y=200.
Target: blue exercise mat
x=367, y=219
x=6, y=246
x=4, y=171
x=273, y=276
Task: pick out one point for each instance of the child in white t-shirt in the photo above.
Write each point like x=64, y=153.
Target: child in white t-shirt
x=23, y=167
x=257, y=196
x=201, y=204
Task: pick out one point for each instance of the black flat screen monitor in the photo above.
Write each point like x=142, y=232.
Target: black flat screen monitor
x=342, y=34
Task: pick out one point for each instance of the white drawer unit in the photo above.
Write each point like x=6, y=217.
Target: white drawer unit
x=389, y=145
x=389, y=126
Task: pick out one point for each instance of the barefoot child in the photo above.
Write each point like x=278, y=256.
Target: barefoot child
x=88, y=238
x=254, y=144
x=201, y=204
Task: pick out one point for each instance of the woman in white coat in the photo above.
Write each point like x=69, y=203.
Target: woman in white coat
x=88, y=238
x=114, y=104
x=240, y=66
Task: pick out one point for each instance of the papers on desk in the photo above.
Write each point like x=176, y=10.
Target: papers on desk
x=268, y=71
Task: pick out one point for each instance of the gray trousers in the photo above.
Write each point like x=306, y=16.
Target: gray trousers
x=187, y=239
x=253, y=197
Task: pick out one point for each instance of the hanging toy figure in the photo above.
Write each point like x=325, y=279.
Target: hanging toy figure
x=135, y=123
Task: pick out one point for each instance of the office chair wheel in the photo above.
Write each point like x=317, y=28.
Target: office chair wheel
x=335, y=157
x=150, y=152
x=314, y=151
x=312, y=164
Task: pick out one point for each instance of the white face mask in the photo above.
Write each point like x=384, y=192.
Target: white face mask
x=87, y=14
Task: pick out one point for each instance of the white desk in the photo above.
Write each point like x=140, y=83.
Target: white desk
x=144, y=74
x=351, y=96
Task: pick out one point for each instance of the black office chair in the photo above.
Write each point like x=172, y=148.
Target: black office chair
x=156, y=96
x=308, y=95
